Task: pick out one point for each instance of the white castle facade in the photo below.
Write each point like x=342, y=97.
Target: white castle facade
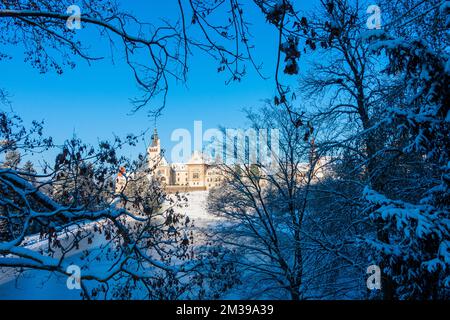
x=198, y=172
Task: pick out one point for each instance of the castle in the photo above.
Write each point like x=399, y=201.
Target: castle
x=200, y=173
x=197, y=174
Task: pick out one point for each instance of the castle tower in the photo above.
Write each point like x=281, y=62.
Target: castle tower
x=154, y=151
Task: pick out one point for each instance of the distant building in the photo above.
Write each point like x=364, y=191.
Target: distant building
x=198, y=172
x=121, y=180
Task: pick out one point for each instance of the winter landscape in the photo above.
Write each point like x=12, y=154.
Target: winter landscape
x=224, y=150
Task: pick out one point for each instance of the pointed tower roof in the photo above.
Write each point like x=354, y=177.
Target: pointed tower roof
x=199, y=158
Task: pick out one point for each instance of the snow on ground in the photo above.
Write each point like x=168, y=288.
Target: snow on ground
x=33, y=284
x=35, y=243
x=196, y=209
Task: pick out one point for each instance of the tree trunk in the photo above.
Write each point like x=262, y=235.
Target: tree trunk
x=377, y=184
x=295, y=295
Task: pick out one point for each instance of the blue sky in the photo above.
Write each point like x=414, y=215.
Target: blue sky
x=93, y=101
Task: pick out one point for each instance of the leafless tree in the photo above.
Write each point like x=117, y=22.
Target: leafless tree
x=272, y=220
x=362, y=99
x=141, y=242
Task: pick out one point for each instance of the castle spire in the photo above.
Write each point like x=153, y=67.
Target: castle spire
x=155, y=138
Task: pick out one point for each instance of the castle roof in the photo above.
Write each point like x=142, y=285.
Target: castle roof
x=178, y=166
x=163, y=161
x=198, y=158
